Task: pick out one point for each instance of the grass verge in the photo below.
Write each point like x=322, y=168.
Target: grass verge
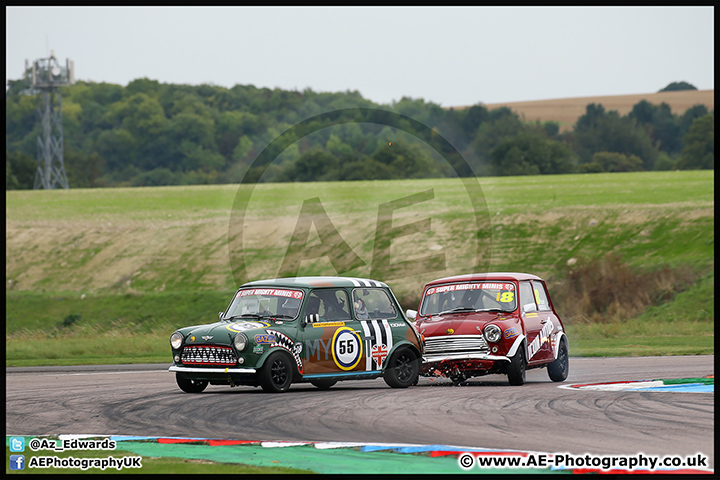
x=138, y=263
x=150, y=465
x=131, y=329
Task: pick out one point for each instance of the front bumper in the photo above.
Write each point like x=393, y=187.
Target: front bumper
x=226, y=370
x=464, y=356
x=469, y=364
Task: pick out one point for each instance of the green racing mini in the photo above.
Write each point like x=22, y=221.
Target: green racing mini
x=307, y=329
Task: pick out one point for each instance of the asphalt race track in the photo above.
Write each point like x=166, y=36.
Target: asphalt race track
x=485, y=412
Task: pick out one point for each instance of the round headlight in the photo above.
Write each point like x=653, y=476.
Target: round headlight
x=240, y=342
x=176, y=340
x=492, y=333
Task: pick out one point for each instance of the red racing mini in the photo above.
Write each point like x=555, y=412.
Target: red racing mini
x=490, y=323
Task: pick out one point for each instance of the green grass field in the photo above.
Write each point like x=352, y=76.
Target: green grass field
x=117, y=270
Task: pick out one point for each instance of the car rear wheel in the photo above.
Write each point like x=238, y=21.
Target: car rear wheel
x=516, y=369
x=323, y=384
x=402, y=369
x=190, y=386
x=276, y=373
x=558, y=370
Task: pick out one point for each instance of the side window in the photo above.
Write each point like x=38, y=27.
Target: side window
x=541, y=296
x=372, y=303
x=527, y=298
x=329, y=304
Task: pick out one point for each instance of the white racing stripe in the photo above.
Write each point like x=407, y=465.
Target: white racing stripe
x=365, y=282
x=382, y=333
x=368, y=345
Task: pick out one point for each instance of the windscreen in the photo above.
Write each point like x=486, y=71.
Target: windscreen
x=473, y=296
x=265, y=303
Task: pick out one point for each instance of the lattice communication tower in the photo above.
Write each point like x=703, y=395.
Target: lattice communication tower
x=48, y=76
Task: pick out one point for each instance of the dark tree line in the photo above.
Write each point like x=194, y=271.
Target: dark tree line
x=149, y=134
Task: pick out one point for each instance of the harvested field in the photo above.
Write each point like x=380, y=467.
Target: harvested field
x=566, y=111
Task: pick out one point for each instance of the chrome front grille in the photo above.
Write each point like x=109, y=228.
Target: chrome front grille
x=208, y=355
x=456, y=344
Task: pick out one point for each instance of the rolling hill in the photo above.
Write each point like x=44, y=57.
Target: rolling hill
x=566, y=111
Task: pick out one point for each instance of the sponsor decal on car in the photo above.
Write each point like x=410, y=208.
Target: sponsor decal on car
x=541, y=338
x=379, y=353
x=328, y=324
x=265, y=338
x=273, y=292
x=510, y=333
x=470, y=286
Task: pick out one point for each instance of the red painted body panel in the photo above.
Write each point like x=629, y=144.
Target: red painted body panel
x=455, y=343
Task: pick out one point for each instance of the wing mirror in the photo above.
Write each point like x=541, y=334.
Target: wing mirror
x=411, y=314
x=310, y=319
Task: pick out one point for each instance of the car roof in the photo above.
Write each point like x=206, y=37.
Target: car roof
x=314, y=282
x=475, y=277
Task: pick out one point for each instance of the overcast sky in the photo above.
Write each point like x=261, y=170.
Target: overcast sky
x=453, y=56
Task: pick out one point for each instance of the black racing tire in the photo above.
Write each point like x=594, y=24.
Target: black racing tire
x=458, y=378
x=559, y=368
x=516, y=369
x=402, y=369
x=276, y=374
x=323, y=383
x=190, y=386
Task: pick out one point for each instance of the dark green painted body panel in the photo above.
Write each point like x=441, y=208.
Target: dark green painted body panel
x=340, y=349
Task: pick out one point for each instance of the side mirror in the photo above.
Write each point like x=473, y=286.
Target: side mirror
x=220, y=315
x=411, y=314
x=310, y=319
x=530, y=307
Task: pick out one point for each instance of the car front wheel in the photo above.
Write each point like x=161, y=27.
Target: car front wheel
x=190, y=386
x=558, y=370
x=402, y=369
x=276, y=373
x=516, y=369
